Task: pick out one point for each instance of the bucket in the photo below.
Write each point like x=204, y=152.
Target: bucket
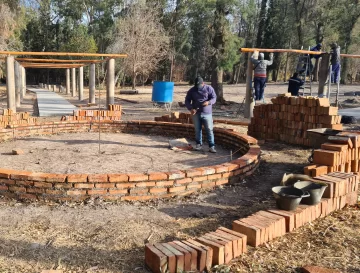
x=316, y=191
x=288, y=198
x=162, y=92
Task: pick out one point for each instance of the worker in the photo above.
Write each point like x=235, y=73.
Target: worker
x=199, y=100
x=294, y=84
x=260, y=66
x=314, y=48
x=335, y=63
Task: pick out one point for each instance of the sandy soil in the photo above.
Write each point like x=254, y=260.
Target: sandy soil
x=79, y=153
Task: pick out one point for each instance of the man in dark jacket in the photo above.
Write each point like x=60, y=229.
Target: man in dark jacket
x=260, y=66
x=335, y=63
x=199, y=100
x=294, y=84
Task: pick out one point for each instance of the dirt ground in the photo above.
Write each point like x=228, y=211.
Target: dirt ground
x=109, y=238
x=119, y=153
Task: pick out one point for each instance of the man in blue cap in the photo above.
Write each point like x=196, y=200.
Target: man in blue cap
x=199, y=100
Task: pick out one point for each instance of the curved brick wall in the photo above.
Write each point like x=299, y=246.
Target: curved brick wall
x=123, y=186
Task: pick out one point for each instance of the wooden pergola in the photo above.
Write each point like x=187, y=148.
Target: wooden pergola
x=16, y=73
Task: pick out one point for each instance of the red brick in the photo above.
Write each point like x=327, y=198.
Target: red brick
x=27, y=196
x=137, y=198
x=145, y=184
x=193, y=172
x=206, y=184
x=193, y=186
x=186, y=256
x=37, y=176
x=318, y=269
x=138, y=177
x=3, y=188
x=155, y=259
x=218, y=250
x=180, y=262
x=231, y=167
x=227, y=243
x=96, y=191
x=205, y=254
x=279, y=222
x=221, y=168
x=102, y=178
x=266, y=226
x=77, y=178
x=289, y=218
x=56, y=177
x=24, y=183
x=200, y=178
x=17, y=189
x=84, y=185
x=104, y=185
x=252, y=232
x=320, y=170
x=7, y=181
x=158, y=176
x=54, y=192
x=125, y=185
x=43, y=185
x=176, y=175
x=193, y=255
x=63, y=185
x=171, y=258
x=118, y=191
x=242, y=238
x=139, y=191
x=158, y=190
x=177, y=189
x=20, y=175
x=222, y=181
x=5, y=173
x=208, y=170
x=214, y=176
x=76, y=192
x=183, y=181
x=118, y=177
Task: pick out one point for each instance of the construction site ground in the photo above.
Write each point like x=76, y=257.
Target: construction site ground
x=95, y=236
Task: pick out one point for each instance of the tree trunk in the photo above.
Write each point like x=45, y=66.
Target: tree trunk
x=316, y=70
x=134, y=81
x=262, y=22
x=217, y=84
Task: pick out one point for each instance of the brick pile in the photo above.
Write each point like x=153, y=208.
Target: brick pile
x=176, y=117
x=10, y=118
x=114, y=113
x=341, y=153
x=288, y=118
x=221, y=246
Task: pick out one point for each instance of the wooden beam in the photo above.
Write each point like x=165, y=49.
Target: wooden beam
x=280, y=50
x=36, y=65
x=58, y=60
x=62, y=54
x=349, y=56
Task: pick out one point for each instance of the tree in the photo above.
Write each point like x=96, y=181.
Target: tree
x=8, y=23
x=80, y=41
x=142, y=37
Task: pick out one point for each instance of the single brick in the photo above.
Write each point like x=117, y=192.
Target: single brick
x=214, y=176
x=145, y=184
x=118, y=177
x=96, y=191
x=118, y=191
x=208, y=253
x=77, y=178
x=227, y=243
x=200, y=178
x=105, y=185
x=193, y=253
x=137, y=198
x=63, y=185
x=53, y=192
x=158, y=176
x=20, y=175
x=218, y=250
x=176, y=175
x=158, y=190
x=186, y=254
x=171, y=258
x=76, y=192
x=139, y=191
x=125, y=185
x=84, y=185
x=289, y=218
x=180, y=258
x=17, y=189
x=5, y=173
x=183, y=181
x=155, y=259
x=24, y=183
x=164, y=183
x=242, y=238
x=138, y=177
x=7, y=181
x=43, y=185
x=102, y=178
x=193, y=172
x=51, y=177
x=252, y=232
x=176, y=189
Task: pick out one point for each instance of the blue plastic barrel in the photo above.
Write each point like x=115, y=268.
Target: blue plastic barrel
x=162, y=92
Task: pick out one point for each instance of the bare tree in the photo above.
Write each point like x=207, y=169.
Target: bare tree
x=142, y=37
x=7, y=19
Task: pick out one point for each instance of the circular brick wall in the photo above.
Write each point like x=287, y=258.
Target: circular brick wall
x=126, y=186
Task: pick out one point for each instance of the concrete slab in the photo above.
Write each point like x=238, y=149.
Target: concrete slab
x=355, y=112
x=52, y=104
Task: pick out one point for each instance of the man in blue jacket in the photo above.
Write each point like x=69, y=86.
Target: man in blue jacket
x=199, y=100
x=294, y=84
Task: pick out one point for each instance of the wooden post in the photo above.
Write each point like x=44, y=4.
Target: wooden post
x=10, y=83
x=81, y=83
x=73, y=76
x=68, y=81
x=323, y=74
x=110, y=82
x=92, y=84
x=17, y=84
x=249, y=99
x=23, y=74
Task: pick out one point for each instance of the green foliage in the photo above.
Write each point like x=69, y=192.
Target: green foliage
x=80, y=41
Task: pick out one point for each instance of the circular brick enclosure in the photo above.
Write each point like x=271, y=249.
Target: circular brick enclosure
x=126, y=186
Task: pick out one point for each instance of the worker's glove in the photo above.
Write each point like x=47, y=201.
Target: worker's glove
x=271, y=55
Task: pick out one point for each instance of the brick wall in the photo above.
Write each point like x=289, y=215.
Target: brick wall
x=10, y=118
x=223, y=245
x=114, y=113
x=288, y=118
x=126, y=186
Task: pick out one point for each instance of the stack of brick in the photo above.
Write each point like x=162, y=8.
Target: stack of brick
x=176, y=117
x=341, y=153
x=10, y=118
x=104, y=115
x=223, y=245
x=288, y=118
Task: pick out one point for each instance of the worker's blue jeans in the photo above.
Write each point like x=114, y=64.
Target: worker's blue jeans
x=335, y=75
x=199, y=120
x=259, y=85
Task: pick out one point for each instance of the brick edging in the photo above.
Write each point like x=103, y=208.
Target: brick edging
x=126, y=186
